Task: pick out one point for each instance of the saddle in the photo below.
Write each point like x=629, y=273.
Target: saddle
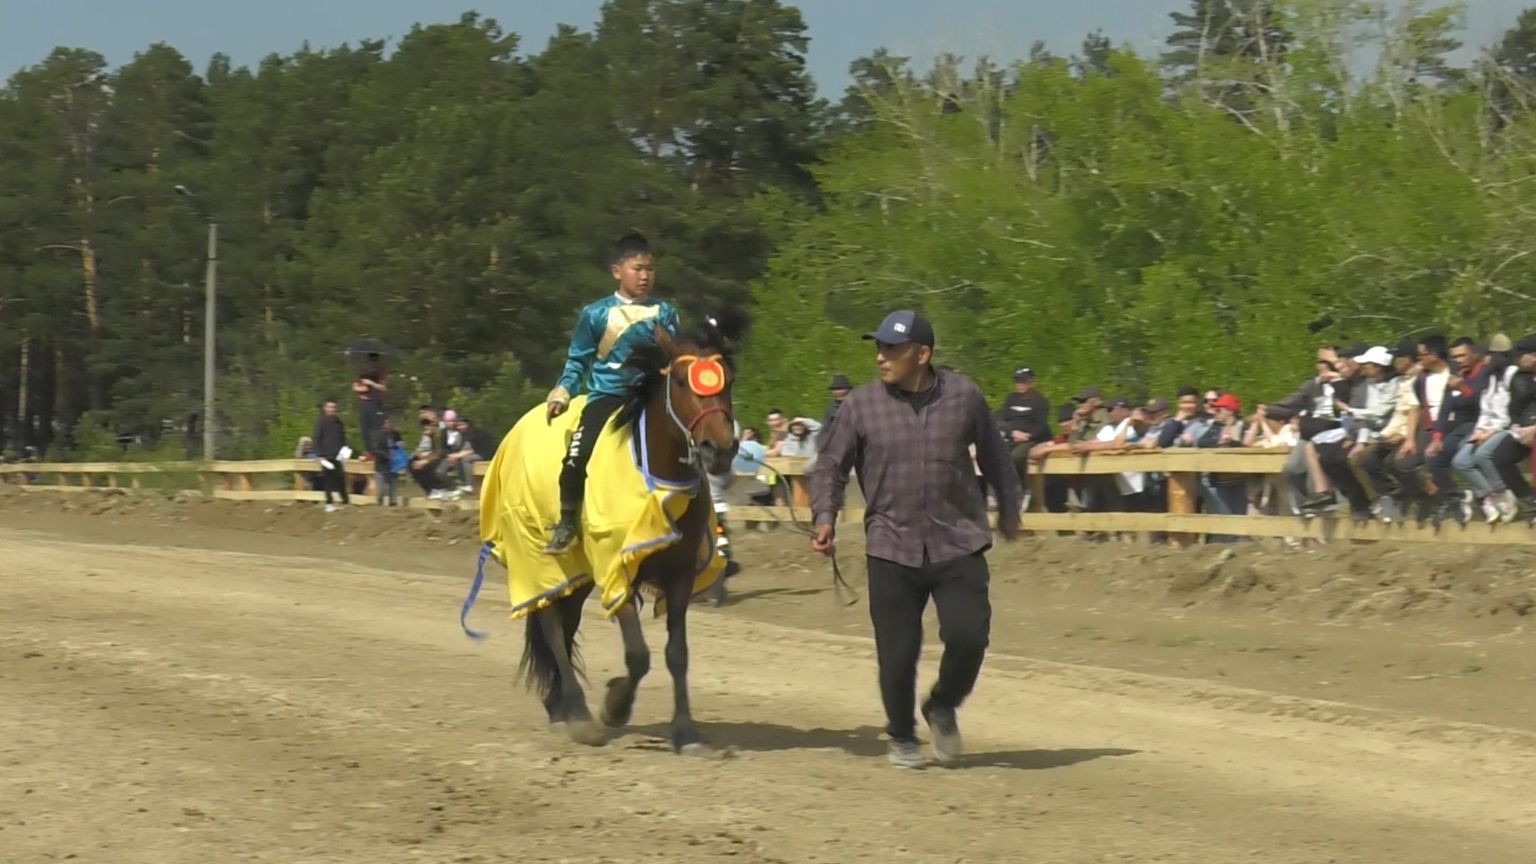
x=627, y=516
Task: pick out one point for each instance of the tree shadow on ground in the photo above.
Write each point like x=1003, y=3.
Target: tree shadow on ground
x=866, y=741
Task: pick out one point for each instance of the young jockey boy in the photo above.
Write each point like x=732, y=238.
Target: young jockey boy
x=607, y=332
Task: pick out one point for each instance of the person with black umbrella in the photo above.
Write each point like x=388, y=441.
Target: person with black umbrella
x=370, y=385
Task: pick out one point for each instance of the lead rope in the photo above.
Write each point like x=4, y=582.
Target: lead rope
x=839, y=584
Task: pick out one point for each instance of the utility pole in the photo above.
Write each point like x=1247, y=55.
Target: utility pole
x=210, y=315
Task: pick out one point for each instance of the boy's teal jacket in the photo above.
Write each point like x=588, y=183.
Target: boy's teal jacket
x=607, y=333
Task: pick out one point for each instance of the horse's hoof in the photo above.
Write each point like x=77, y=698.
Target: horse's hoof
x=701, y=750
x=617, y=705
x=588, y=733
x=615, y=719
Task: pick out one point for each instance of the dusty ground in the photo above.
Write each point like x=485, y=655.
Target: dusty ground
x=184, y=680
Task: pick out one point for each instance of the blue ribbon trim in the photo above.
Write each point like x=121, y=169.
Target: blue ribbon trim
x=474, y=591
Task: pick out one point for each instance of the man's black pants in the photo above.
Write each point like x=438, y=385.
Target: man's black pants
x=1439, y=467
x=335, y=481
x=1019, y=453
x=897, y=597
x=1374, y=461
x=573, y=471
x=1334, y=461
x=1508, y=458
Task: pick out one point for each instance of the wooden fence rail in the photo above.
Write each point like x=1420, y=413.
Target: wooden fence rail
x=253, y=480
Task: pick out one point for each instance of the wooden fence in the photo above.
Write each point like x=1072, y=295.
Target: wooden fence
x=287, y=480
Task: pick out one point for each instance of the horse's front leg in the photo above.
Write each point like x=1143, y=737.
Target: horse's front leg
x=685, y=735
x=620, y=701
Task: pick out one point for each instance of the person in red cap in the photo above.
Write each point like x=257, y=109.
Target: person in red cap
x=1229, y=492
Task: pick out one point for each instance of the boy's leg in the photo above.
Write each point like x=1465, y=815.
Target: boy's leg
x=573, y=471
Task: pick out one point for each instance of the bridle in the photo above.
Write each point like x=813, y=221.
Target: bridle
x=688, y=428
x=839, y=584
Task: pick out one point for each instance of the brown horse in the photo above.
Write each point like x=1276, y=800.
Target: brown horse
x=681, y=405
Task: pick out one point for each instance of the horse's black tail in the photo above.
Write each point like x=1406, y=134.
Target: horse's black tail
x=539, y=669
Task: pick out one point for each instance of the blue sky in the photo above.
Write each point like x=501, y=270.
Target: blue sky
x=840, y=30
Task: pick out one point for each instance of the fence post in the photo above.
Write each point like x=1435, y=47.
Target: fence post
x=1182, y=495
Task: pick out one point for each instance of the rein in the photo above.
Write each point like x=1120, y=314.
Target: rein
x=839, y=584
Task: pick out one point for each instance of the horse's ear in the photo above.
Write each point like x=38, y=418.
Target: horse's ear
x=731, y=324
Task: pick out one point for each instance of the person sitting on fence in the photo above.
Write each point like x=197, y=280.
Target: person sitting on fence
x=1453, y=423
x=1024, y=421
x=429, y=453
x=1520, y=446
x=458, y=467
x=1473, y=462
x=1378, y=444
x=305, y=449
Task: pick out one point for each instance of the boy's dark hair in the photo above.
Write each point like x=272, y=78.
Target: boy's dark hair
x=1187, y=391
x=629, y=246
x=1466, y=342
x=1434, y=344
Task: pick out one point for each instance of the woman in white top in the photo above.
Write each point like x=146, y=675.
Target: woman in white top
x=1473, y=463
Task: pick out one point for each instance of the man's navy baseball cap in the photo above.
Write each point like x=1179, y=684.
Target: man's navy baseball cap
x=901, y=327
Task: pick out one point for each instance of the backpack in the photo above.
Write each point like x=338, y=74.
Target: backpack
x=398, y=458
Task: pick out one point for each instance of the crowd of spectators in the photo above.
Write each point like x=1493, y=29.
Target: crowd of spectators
x=1426, y=429
x=441, y=460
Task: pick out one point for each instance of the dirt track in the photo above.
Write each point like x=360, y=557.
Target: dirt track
x=201, y=682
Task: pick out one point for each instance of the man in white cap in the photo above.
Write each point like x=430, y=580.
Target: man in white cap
x=1372, y=401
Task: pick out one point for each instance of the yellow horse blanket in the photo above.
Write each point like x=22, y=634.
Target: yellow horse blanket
x=627, y=515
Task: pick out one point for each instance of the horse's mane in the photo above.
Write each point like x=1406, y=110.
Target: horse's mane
x=719, y=333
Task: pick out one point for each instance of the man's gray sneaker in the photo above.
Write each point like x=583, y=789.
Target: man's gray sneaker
x=906, y=754
x=946, y=732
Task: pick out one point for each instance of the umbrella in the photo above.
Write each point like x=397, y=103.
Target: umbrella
x=364, y=347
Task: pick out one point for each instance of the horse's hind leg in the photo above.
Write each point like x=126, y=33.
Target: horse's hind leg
x=620, y=701
x=571, y=702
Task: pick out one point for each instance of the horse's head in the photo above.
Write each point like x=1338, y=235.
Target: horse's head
x=697, y=390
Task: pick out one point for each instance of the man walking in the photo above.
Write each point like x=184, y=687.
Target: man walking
x=908, y=435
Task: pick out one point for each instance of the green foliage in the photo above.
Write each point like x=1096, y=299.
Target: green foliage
x=1081, y=220
x=501, y=403
x=1136, y=223
x=456, y=199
